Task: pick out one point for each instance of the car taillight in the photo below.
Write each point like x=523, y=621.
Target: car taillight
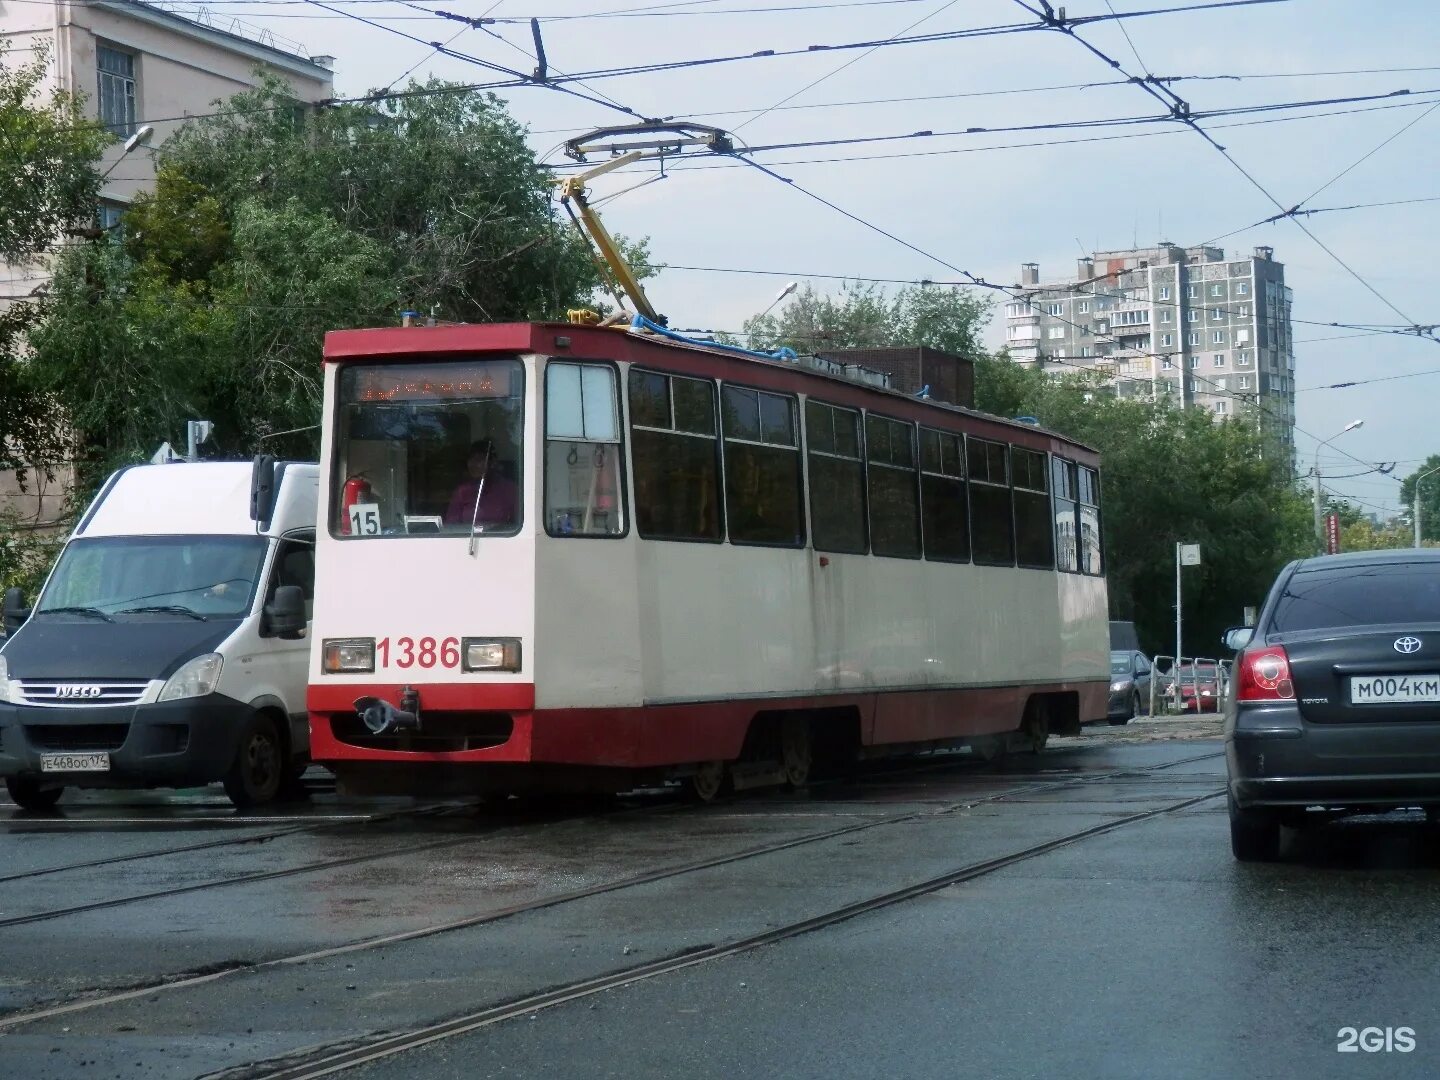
x=1265, y=676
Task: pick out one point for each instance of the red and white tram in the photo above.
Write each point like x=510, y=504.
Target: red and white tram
x=573, y=556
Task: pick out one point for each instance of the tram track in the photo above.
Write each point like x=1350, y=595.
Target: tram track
x=189, y=979
x=319, y=866
x=340, y=1057
x=301, y=826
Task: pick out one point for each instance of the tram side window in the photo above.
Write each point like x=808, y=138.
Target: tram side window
x=991, y=522
x=1091, y=560
x=1034, y=540
x=1067, y=547
x=762, y=468
x=676, y=457
x=837, y=478
x=582, y=451
x=894, y=498
x=945, y=511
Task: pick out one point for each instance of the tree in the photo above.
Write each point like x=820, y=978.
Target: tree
x=273, y=222
x=47, y=172
x=1429, y=497
x=1169, y=474
x=1172, y=475
x=864, y=315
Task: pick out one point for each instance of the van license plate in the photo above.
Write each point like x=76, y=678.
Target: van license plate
x=1391, y=689
x=74, y=762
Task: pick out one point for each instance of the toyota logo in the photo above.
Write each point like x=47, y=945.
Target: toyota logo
x=1407, y=644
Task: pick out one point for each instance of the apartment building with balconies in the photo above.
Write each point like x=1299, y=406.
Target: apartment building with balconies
x=1205, y=329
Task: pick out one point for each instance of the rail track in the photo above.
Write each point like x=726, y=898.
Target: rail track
x=88, y=1001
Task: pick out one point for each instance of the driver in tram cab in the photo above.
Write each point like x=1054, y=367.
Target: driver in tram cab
x=498, y=496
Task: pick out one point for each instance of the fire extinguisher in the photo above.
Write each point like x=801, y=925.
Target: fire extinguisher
x=357, y=490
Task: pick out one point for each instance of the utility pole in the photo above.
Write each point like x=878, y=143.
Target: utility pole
x=1315, y=471
x=1185, y=555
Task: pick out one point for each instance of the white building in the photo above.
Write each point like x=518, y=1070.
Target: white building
x=138, y=64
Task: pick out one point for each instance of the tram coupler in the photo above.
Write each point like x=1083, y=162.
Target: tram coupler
x=382, y=718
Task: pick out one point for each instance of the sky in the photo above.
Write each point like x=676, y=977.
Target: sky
x=980, y=202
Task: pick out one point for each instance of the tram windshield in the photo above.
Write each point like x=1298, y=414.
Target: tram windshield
x=427, y=449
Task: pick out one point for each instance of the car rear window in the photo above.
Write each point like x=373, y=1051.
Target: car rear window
x=1389, y=593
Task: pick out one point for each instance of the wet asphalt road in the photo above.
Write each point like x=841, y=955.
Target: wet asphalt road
x=1138, y=950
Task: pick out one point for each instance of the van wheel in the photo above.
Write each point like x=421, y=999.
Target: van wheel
x=29, y=794
x=259, y=768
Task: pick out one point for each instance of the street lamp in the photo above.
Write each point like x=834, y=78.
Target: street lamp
x=786, y=291
x=1319, y=530
x=1415, y=510
x=139, y=139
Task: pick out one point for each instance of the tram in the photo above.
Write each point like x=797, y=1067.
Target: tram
x=586, y=557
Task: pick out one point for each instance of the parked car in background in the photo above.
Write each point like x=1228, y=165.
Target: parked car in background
x=1130, y=674
x=1337, y=696
x=1200, y=687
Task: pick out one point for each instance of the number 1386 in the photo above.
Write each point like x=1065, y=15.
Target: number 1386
x=427, y=652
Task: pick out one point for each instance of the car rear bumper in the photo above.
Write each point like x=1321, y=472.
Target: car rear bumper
x=1275, y=758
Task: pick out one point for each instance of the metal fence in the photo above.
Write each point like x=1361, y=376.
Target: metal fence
x=1206, y=678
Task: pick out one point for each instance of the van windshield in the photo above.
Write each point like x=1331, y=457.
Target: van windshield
x=428, y=448
x=211, y=576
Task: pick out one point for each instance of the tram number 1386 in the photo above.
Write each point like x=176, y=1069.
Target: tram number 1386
x=427, y=652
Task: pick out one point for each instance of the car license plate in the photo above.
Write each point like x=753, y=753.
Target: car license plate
x=1390, y=689
x=99, y=762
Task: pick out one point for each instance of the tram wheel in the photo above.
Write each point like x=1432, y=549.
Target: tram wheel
x=29, y=794
x=1036, y=731
x=708, y=782
x=797, y=750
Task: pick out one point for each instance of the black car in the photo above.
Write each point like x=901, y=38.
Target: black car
x=1129, y=686
x=1336, y=702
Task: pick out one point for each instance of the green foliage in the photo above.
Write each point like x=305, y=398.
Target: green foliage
x=275, y=222
x=1429, y=496
x=26, y=555
x=48, y=177
x=864, y=315
x=1173, y=475
x=1169, y=474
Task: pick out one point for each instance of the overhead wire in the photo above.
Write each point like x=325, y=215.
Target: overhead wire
x=1049, y=19
x=945, y=6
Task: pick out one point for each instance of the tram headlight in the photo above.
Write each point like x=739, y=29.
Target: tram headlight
x=490, y=654
x=341, y=655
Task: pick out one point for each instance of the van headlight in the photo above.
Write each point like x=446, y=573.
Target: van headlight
x=4, y=679
x=490, y=654
x=195, y=678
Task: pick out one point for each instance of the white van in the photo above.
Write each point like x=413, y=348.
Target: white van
x=168, y=645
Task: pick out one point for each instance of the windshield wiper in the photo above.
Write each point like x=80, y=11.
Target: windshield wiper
x=165, y=609
x=93, y=612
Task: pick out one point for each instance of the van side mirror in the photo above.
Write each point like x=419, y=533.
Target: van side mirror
x=262, y=490
x=15, y=611
x=285, y=614
x=1237, y=637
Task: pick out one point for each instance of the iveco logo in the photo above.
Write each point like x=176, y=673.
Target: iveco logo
x=1407, y=644
x=78, y=690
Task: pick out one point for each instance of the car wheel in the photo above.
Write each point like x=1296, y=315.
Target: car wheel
x=1254, y=834
x=29, y=794
x=259, y=769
